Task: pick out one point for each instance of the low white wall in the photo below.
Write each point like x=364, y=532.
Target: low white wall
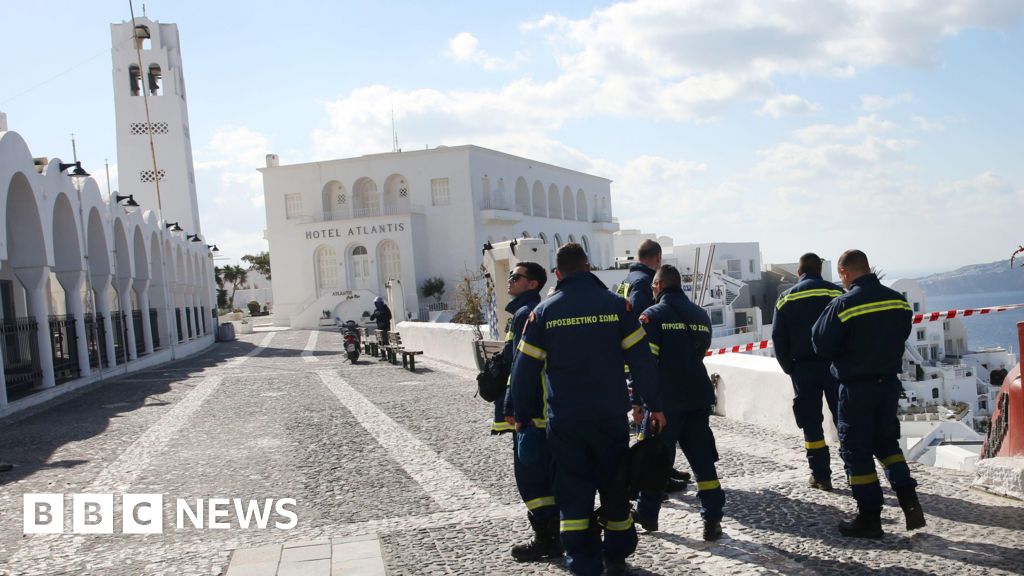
x=452, y=343
x=754, y=389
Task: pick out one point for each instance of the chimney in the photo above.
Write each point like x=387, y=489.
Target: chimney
x=273, y=161
x=3, y=121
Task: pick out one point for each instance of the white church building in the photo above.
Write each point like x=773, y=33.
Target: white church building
x=92, y=285
x=342, y=232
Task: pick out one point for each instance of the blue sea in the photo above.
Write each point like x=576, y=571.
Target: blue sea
x=996, y=329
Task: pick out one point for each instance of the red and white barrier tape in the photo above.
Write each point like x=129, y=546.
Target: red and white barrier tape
x=918, y=319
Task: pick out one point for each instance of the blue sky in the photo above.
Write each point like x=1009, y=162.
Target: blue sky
x=894, y=127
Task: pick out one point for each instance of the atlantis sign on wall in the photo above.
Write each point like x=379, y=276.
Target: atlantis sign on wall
x=355, y=231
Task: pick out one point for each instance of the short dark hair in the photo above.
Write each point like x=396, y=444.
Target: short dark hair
x=855, y=261
x=648, y=249
x=571, y=258
x=534, y=272
x=669, y=277
x=810, y=263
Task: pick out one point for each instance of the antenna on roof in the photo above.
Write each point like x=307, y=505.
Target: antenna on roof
x=394, y=133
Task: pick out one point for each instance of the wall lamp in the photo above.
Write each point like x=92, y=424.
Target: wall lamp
x=130, y=206
x=213, y=247
x=194, y=237
x=173, y=227
x=78, y=171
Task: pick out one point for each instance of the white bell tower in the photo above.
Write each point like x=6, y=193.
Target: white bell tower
x=154, y=80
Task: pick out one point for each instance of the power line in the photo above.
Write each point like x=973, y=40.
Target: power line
x=64, y=73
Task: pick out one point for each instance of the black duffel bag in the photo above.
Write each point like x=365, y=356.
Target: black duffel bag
x=493, y=381
x=650, y=462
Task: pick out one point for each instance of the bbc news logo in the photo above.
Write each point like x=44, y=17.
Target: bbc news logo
x=144, y=513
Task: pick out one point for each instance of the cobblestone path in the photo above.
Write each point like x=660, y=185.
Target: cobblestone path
x=372, y=448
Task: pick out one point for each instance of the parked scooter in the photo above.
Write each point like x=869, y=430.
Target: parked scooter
x=351, y=341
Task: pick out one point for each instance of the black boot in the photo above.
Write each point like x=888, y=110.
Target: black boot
x=712, y=530
x=865, y=525
x=679, y=475
x=545, y=544
x=614, y=567
x=674, y=485
x=824, y=484
x=911, y=508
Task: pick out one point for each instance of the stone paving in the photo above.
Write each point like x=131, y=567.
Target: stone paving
x=374, y=449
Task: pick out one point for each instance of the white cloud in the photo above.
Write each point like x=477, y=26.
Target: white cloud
x=875, y=103
x=465, y=47
x=787, y=105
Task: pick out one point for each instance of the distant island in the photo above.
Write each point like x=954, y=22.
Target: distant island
x=976, y=278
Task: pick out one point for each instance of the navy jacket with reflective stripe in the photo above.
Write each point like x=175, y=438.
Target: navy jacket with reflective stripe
x=637, y=288
x=573, y=349
x=520, y=308
x=795, y=312
x=680, y=334
x=864, y=331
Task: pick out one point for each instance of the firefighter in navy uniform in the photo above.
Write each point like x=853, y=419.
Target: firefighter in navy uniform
x=863, y=332
x=795, y=313
x=679, y=334
x=572, y=353
x=636, y=289
x=534, y=481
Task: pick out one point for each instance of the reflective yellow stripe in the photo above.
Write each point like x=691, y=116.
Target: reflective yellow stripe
x=817, y=444
x=543, y=398
x=817, y=292
x=620, y=525
x=574, y=525
x=864, y=479
x=540, y=502
x=631, y=340
x=626, y=368
x=509, y=336
x=532, y=351
x=890, y=460
x=655, y=349
x=872, y=307
x=502, y=427
x=540, y=423
x=708, y=485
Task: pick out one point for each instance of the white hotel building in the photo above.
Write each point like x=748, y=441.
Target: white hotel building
x=342, y=231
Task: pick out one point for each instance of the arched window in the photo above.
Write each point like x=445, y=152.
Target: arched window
x=572, y=239
x=134, y=78
x=142, y=37
x=326, y=268
x=396, y=195
x=581, y=206
x=586, y=246
x=558, y=240
x=500, y=201
x=390, y=261
x=155, y=81
x=359, y=268
x=335, y=200
x=522, y=196
x=554, y=202
x=365, y=199
x=526, y=234
x=540, y=203
x=935, y=393
x=568, y=205
x=543, y=237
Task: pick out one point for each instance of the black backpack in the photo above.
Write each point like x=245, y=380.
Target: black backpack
x=493, y=381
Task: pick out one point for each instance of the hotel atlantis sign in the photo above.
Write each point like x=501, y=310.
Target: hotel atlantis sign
x=355, y=231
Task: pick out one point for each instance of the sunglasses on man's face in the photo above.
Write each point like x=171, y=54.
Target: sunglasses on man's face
x=514, y=277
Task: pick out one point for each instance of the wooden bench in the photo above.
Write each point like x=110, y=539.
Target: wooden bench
x=395, y=348
x=485, y=349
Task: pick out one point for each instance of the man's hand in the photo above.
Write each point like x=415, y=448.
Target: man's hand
x=510, y=420
x=638, y=414
x=657, y=421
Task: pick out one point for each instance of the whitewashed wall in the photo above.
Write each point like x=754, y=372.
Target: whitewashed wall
x=452, y=343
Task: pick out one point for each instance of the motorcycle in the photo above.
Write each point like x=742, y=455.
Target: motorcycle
x=351, y=341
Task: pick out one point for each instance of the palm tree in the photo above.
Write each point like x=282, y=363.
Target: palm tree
x=237, y=276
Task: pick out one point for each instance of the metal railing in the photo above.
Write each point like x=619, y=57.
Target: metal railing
x=93, y=342
x=64, y=343
x=154, y=328
x=140, y=340
x=495, y=204
x=366, y=212
x=120, y=324
x=22, y=370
